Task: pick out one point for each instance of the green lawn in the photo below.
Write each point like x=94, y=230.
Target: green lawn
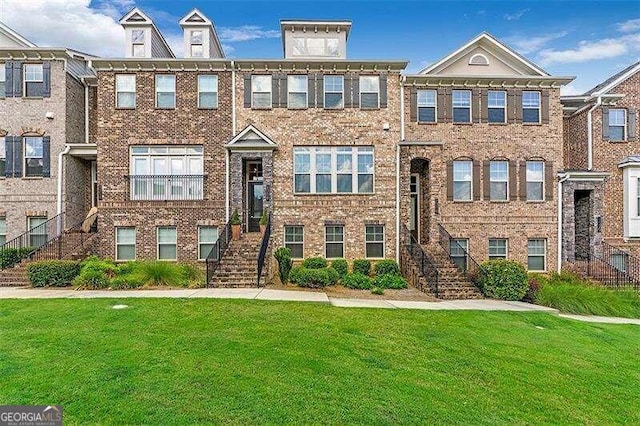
x=212, y=361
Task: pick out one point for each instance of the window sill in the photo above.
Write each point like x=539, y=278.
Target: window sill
x=208, y=109
x=535, y=201
x=498, y=201
x=125, y=108
x=463, y=201
x=262, y=108
x=618, y=141
x=32, y=177
x=33, y=97
x=334, y=109
x=532, y=124
x=297, y=109
x=428, y=123
x=464, y=123
x=165, y=109
x=490, y=123
x=324, y=194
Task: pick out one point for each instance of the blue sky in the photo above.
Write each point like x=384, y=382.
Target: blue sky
x=589, y=39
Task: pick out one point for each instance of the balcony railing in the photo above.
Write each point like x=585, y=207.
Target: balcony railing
x=166, y=187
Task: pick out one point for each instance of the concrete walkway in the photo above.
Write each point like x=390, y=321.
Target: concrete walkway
x=297, y=296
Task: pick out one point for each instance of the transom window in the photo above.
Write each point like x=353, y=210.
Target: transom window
x=497, y=106
x=537, y=254
x=499, y=180
x=197, y=49
x=125, y=91
x=427, y=106
x=530, y=107
x=3, y=79
x=261, y=91
x=617, y=124
x=3, y=231
x=37, y=231
x=33, y=156
x=461, y=101
x=167, y=243
x=208, y=91
x=297, y=87
x=333, y=170
x=125, y=243
x=369, y=91
x=535, y=180
x=137, y=40
x=294, y=240
x=458, y=248
x=462, y=178
x=3, y=156
x=497, y=248
x=374, y=241
x=333, y=91
x=334, y=241
x=207, y=237
x=165, y=91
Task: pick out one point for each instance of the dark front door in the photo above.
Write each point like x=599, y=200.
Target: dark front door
x=255, y=195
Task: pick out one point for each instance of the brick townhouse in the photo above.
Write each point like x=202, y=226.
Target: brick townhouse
x=44, y=106
x=601, y=181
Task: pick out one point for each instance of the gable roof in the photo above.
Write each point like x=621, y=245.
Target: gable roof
x=251, y=138
x=13, y=36
x=136, y=16
x=614, y=80
x=485, y=39
x=195, y=17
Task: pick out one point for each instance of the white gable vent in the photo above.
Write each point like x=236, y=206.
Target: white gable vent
x=478, y=59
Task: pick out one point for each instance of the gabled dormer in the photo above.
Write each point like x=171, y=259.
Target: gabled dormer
x=307, y=39
x=200, y=38
x=143, y=39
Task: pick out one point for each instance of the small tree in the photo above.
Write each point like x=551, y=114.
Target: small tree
x=504, y=279
x=235, y=218
x=283, y=256
x=264, y=218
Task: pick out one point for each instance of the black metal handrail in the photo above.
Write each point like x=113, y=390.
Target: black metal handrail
x=37, y=237
x=263, y=247
x=166, y=187
x=428, y=269
x=613, y=267
x=461, y=257
x=56, y=249
x=218, y=250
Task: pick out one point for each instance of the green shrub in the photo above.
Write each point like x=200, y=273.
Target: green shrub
x=313, y=278
x=358, y=281
x=283, y=256
x=126, y=282
x=192, y=275
x=503, y=279
x=315, y=263
x=95, y=273
x=9, y=257
x=377, y=290
x=235, y=218
x=387, y=267
x=127, y=268
x=158, y=273
x=395, y=282
x=54, y=273
x=341, y=266
x=362, y=266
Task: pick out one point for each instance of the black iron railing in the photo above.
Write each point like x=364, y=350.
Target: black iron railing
x=64, y=244
x=166, y=187
x=217, y=252
x=427, y=267
x=263, y=248
x=35, y=238
x=460, y=256
x=613, y=267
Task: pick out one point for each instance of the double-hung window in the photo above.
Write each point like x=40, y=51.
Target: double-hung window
x=462, y=179
x=333, y=91
x=294, y=240
x=426, y=106
x=207, y=91
x=33, y=156
x=530, y=107
x=260, y=91
x=167, y=243
x=617, y=124
x=297, y=87
x=497, y=248
x=499, y=180
x=3, y=80
x=125, y=91
x=537, y=254
x=458, y=249
x=497, y=106
x=535, y=180
x=369, y=91
x=197, y=49
x=3, y=156
x=461, y=101
x=324, y=170
x=37, y=231
x=3, y=231
x=33, y=80
x=165, y=91
x=374, y=241
x=334, y=241
x=125, y=243
x=137, y=44
x=207, y=237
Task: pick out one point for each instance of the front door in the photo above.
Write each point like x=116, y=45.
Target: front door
x=255, y=195
x=414, y=206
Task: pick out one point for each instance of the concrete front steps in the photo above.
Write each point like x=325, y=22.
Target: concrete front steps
x=452, y=284
x=239, y=265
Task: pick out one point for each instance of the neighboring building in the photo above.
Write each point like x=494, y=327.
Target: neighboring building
x=601, y=183
x=479, y=156
x=44, y=98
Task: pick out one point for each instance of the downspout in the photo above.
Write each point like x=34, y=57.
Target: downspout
x=86, y=110
x=590, y=133
x=233, y=131
x=61, y=155
x=402, y=79
x=560, y=198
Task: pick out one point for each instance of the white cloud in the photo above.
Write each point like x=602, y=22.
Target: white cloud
x=245, y=33
x=571, y=90
x=592, y=50
x=527, y=45
x=629, y=26
x=515, y=16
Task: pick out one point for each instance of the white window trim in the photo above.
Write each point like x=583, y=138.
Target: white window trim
x=539, y=107
x=325, y=91
x=544, y=184
x=4, y=234
x=3, y=78
x=384, y=246
x=270, y=92
x=435, y=106
x=158, y=244
x=135, y=82
x=365, y=92
x=200, y=242
x=499, y=181
x=506, y=101
x=624, y=126
x=506, y=248
x=306, y=91
x=544, y=255
x=24, y=75
x=334, y=242
x=27, y=158
x=295, y=242
x=216, y=92
x=470, y=107
x=135, y=243
x=470, y=181
x=191, y=43
x=175, y=89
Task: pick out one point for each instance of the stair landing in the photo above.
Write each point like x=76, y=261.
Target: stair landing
x=239, y=264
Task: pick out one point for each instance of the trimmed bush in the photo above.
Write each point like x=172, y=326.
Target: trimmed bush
x=313, y=278
x=126, y=282
x=9, y=257
x=52, y=273
x=395, y=282
x=357, y=281
x=315, y=263
x=503, y=279
x=387, y=267
x=341, y=266
x=95, y=273
x=283, y=256
x=362, y=266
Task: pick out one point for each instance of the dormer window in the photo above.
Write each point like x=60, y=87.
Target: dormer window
x=197, y=48
x=314, y=46
x=137, y=43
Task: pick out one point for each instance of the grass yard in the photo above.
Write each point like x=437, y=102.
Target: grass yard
x=213, y=361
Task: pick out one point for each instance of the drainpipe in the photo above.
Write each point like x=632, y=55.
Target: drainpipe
x=67, y=148
x=402, y=79
x=560, y=197
x=590, y=133
x=233, y=130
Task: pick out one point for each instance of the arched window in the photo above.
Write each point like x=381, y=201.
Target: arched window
x=478, y=59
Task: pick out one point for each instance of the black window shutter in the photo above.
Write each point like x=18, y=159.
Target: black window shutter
x=275, y=90
x=311, y=90
x=8, y=84
x=17, y=79
x=17, y=156
x=449, y=180
x=484, y=107
x=523, y=180
x=355, y=88
x=383, y=90
x=247, y=91
x=284, y=94
x=544, y=107
x=8, y=144
x=513, y=181
x=476, y=180
x=475, y=102
x=486, y=179
x=413, y=105
x=512, y=106
x=448, y=108
x=441, y=105
x=46, y=156
x=348, y=90
x=605, y=123
x=320, y=90
x=549, y=180
x=46, y=77
x=518, y=101
x=631, y=124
